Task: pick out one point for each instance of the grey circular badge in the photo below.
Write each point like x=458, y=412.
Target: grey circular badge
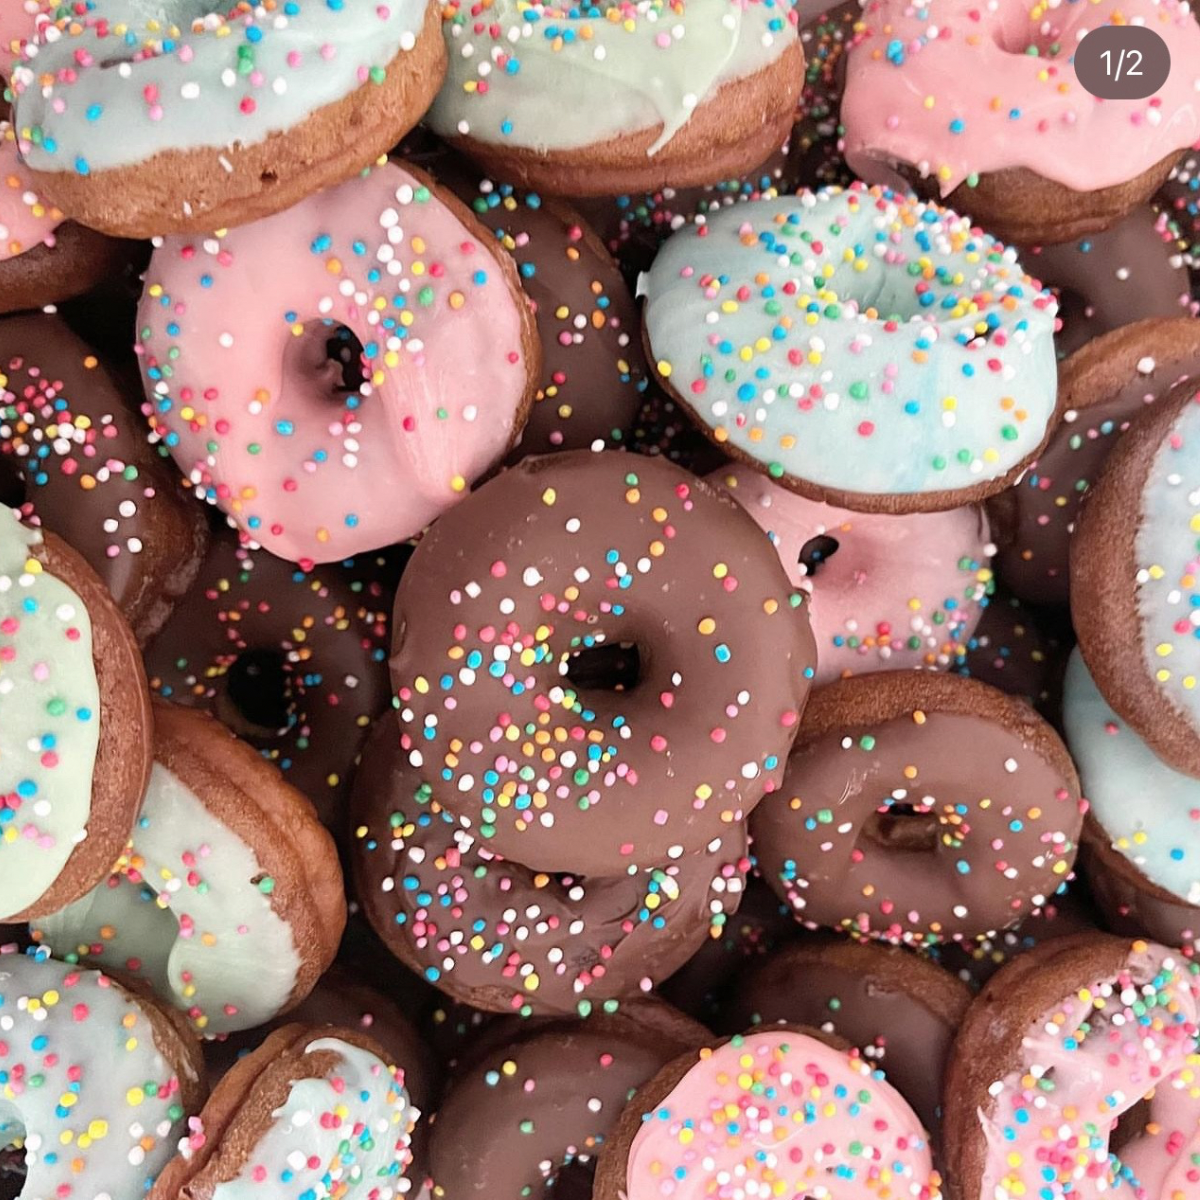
x=1122, y=62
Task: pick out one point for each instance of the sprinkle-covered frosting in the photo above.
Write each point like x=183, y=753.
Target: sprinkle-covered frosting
x=18, y=19
x=49, y=719
x=317, y=452
x=958, y=90
x=1083, y=1064
x=628, y=65
x=781, y=1114
x=26, y=221
x=856, y=341
x=187, y=908
x=1167, y=548
x=347, y=1133
x=1150, y=812
x=111, y=83
x=84, y=1090
x=887, y=592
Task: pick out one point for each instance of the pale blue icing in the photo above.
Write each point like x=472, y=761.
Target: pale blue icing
x=202, y=83
x=1150, y=812
x=1167, y=548
x=559, y=77
x=189, y=904
x=359, y=1133
x=760, y=320
x=82, y=1083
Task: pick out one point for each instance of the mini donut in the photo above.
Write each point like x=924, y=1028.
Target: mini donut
x=625, y=571
x=1057, y=1048
x=1102, y=388
x=1135, y=575
x=863, y=348
x=294, y=664
x=1116, y=277
x=44, y=258
x=975, y=843
x=885, y=592
x=901, y=1011
x=782, y=1112
x=75, y=724
x=534, y=1111
x=178, y=119
x=71, y=433
x=1142, y=837
x=988, y=113
x=502, y=936
x=682, y=93
x=314, y=1111
x=89, y=1065
x=228, y=899
x=339, y=411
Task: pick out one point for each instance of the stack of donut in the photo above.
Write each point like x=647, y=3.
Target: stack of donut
x=597, y=601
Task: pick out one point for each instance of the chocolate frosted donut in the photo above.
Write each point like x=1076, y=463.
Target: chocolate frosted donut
x=533, y=1113
x=292, y=663
x=901, y=1011
x=74, y=455
x=1101, y=387
x=503, y=936
x=600, y=663
x=1128, y=273
x=919, y=808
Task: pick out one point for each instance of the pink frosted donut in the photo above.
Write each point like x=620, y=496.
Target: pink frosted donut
x=26, y=221
x=17, y=22
x=337, y=375
x=886, y=592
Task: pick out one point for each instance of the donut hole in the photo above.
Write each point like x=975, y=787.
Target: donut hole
x=256, y=702
x=608, y=667
x=12, y=1163
x=331, y=356
x=1130, y=1126
x=1025, y=40
x=816, y=552
x=904, y=828
x=575, y=1180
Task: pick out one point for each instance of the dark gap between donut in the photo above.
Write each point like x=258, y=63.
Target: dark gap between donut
x=574, y=1181
x=12, y=1173
x=12, y=486
x=816, y=552
x=903, y=827
x=609, y=667
x=256, y=701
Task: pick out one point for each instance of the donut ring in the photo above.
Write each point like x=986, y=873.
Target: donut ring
x=983, y=845
x=228, y=899
x=1147, y=585
x=535, y=1110
x=501, y=936
x=885, y=592
x=770, y=325
x=306, y=448
x=78, y=449
x=135, y=129
x=132, y=1070
x=901, y=1011
x=1059, y=1044
x=713, y=100
x=314, y=1107
x=295, y=664
x=1007, y=135
x=75, y=725
x=721, y=1109
x=1101, y=388
x=516, y=587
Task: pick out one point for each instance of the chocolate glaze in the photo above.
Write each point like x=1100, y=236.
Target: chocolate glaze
x=501, y=936
x=977, y=842
x=900, y=1010
x=1105, y=280
x=74, y=455
x=826, y=33
x=293, y=663
x=1180, y=197
x=553, y=558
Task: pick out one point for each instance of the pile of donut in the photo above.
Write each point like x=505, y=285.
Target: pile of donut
x=597, y=600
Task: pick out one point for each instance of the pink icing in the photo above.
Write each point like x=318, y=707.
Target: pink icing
x=899, y=591
x=16, y=25
x=25, y=222
x=242, y=391
x=781, y=1114
x=948, y=87
x=1051, y=1140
